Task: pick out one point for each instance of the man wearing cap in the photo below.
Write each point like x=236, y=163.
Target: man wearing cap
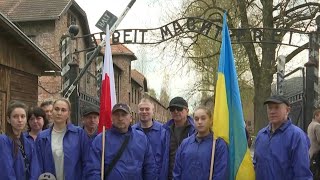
x=281, y=148
x=90, y=120
x=178, y=128
x=136, y=160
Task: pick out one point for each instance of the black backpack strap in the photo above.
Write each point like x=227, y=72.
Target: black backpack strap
x=25, y=158
x=118, y=155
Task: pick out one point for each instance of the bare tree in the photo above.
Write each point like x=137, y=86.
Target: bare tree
x=164, y=93
x=260, y=57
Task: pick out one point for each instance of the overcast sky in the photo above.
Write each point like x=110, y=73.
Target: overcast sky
x=144, y=14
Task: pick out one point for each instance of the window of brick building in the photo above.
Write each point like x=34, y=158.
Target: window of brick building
x=71, y=20
x=129, y=98
x=132, y=95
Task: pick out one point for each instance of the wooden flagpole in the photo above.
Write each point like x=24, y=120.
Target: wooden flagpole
x=212, y=156
x=112, y=29
x=103, y=149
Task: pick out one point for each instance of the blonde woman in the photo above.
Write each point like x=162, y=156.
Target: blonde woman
x=62, y=147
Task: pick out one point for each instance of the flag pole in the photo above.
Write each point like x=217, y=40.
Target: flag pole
x=103, y=149
x=212, y=156
x=97, y=50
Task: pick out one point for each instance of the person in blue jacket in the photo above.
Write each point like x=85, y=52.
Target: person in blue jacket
x=152, y=128
x=62, y=148
x=193, y=157
x=136, y=161
x=36, y=122
x=18, y=158
x=178, y=128
x=90, y=121
x=281, y=148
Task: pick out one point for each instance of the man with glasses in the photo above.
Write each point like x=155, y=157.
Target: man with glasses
x=178, y=128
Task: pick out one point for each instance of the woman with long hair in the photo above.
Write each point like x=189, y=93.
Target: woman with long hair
x=36, y=122
x=62, y=148
x=18, y=158
x=193, y=157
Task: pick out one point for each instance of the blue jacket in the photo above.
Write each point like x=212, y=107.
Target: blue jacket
x=91, y=138
x=193, y=159
x=282, y=155
x=13, y=168
x=27, y=135
x=166, y=146
x=154, y=136
x=136, y=162
x=75, y=145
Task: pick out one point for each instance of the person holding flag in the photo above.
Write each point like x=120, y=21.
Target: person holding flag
x=128, y=154
x=228, y=121
x=122, y=152
x=193, y=157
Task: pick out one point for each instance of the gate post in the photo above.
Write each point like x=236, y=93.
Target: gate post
x=74, y=97
x=312, y=67
x=280, y=73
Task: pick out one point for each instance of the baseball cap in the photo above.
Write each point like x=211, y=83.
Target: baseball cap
x=178, y=102
x=277, y=99
x=90, y=110
x=121, y=106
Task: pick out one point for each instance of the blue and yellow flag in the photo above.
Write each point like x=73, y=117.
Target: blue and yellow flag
x=228, y=122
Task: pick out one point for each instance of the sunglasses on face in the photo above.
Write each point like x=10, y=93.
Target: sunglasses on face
x=172, y=109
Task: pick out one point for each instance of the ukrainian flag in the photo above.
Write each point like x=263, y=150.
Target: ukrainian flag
x=228, y=122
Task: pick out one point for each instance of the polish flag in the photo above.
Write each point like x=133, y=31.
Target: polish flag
x=108, y=92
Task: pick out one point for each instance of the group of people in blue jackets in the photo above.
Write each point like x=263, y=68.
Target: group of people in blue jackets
x=180, y=149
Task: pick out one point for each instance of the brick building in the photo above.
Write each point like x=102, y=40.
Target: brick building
x=46, y=22
x=138, y=88
x=48, y=26
x=131, y=85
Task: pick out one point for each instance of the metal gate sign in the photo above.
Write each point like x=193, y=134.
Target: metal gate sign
x=105, y=19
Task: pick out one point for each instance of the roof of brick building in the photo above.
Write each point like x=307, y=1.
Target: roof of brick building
x=8, y=28
x=138, y=77
x=119, y=49
x=35, y=10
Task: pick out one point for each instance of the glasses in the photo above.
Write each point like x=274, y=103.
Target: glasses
x=172, y=109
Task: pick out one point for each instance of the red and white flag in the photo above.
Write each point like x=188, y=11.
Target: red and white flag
x=108, y=92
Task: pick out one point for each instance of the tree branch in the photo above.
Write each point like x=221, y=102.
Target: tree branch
x=285, y=13
x=296, y=51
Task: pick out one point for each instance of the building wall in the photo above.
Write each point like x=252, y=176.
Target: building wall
x=18, y=76
x=136, y=96
x=160, y=112
x=48, y=34
x=43, y=34
x=124, y=63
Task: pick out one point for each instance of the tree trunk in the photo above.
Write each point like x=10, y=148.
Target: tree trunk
x=260, y=113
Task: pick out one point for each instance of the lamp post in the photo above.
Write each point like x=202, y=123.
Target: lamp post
x=70, y=69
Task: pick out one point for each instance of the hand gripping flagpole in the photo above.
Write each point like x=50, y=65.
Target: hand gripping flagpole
x=212, y=157
x=97, y=50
